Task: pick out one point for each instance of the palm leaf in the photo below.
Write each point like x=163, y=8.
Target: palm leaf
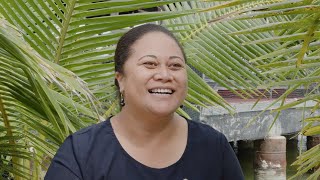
x=28, y=105
x=294, y=27
x=41, y=99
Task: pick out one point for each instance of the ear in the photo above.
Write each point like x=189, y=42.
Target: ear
x=120, y=78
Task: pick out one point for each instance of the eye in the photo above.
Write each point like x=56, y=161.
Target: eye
x=176, y=66
x=150, y=64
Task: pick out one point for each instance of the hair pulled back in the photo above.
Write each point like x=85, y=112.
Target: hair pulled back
x=123, y=50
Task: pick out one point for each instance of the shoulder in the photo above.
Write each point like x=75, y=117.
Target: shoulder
x=95, y=128
x=90, y=142
x=82, y=150
x=203, y=130
x=206, y=146
x=214, y=151
x=206, y=136
x=92, y=137
x=101, y=128
x=86, y=138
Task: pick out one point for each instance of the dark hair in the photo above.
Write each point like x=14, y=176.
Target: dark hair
x=123, y=49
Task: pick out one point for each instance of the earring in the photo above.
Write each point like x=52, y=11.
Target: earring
x=122, y=103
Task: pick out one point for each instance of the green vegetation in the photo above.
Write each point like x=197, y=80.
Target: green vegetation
x=56, y=64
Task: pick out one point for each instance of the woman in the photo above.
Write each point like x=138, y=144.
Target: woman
x=147, y=140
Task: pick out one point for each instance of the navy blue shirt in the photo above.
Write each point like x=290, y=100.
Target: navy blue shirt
x=94, y=153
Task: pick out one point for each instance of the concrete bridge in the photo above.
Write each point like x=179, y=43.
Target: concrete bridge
x=235, y=127
x=269, y=144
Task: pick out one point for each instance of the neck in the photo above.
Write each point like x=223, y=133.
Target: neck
x=144, y=125
x=147, y=122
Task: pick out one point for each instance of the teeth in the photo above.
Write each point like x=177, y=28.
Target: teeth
x=161, y=91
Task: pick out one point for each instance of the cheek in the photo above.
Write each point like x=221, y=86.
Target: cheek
x=186, y=88
x=142, y=75
x=184, y=79
x=136, y=81
x=186, y=84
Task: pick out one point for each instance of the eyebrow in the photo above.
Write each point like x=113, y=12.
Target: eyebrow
x=155, y=57
x=152, y=56
x=173, y=57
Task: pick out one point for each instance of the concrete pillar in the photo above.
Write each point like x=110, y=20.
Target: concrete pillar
x=270, y=158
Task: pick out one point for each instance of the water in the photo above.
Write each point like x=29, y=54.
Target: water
x=246, y=157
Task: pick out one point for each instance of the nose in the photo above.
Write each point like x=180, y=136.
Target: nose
x=163, y=74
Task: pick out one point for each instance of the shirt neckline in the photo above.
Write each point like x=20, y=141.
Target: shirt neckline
x=179, y=161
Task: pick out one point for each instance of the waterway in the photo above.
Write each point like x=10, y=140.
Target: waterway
x=246, y=157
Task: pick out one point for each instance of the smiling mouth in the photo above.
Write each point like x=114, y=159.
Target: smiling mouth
x=161, y=91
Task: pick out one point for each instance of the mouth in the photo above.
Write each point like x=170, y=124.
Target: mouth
x=161, y=91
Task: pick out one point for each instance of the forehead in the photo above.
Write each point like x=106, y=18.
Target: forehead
x=157, y=43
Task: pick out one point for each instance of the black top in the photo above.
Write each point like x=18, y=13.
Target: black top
x=94, y=153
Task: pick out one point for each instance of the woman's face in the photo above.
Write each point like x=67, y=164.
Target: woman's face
x=155, y=77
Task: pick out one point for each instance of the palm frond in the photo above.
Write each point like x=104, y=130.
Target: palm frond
x=295, y=60
x=33, y=115
x=48, y=76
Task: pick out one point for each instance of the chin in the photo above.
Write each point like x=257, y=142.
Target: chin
x=163, y=111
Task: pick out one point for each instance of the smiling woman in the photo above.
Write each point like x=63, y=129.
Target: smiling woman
x=147, y=139
x=154, y=77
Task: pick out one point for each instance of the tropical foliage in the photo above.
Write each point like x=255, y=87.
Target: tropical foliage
x=247, y=45
x=57, y=73
x=56, y=63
